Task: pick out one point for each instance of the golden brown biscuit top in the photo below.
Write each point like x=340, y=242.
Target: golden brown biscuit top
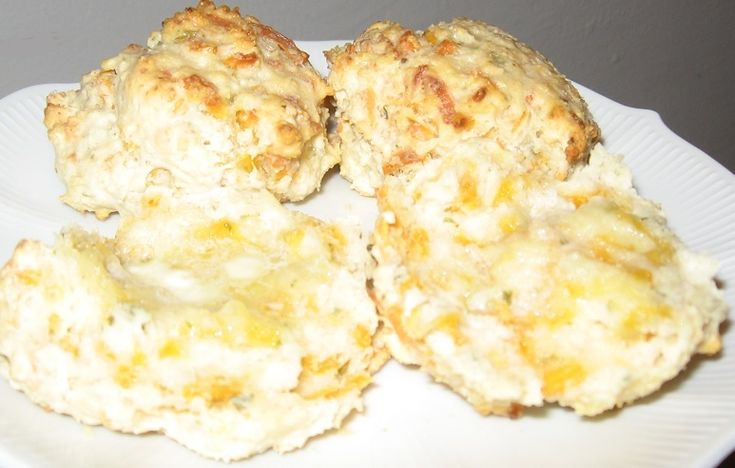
x=209, y=54
x=240, y=41
x=422, y=91
x=212, y=92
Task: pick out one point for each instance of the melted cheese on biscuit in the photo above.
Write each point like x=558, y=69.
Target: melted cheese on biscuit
x=221, y=319
x=516, y=290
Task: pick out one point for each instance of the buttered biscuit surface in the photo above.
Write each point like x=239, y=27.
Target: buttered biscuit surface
x=223, y=320
x=515, y=290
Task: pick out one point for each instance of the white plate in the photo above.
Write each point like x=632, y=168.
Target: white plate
x=409, y=420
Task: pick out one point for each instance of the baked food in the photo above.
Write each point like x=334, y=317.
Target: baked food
x=516, y=289
x=403, y=97
x=213, y=92
x=233, y=326
x=221, y=319
x=507, y=267
x=215, y=315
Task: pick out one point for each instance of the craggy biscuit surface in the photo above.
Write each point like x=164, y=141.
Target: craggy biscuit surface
x=514, y=290
x=404, y=97
x=212, y=92
x=223, y=320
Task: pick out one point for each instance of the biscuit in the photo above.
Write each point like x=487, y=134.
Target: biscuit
x=516, y=290
x=212, y=92
x=222, y=319
x=403, y=97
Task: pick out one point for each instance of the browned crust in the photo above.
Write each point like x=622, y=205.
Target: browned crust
x=437, y=87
